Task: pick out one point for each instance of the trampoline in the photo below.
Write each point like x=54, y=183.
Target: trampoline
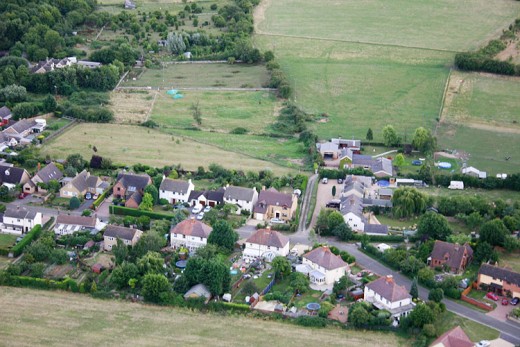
x=417, y=162
x=175, y=94
x=444, y=165
x=383, y=183
x=233, y=272
x=313, y=306
x=181, y=264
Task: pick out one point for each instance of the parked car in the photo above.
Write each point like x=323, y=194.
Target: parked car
x=483, y=343
x=514, y=301
x=196, y=209
x=505, y=302
x=492, y=296
x=207, y=208
x=277, y=221
x=325, y=180
x=200, y=216
x=21, y=196
x=88, y=196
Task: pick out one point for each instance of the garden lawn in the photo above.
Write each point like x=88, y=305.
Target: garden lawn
x=221, y=111
x=474, y=330
x=133, y=144
x=511, y=260
x=33, y=317
x=508, y=196
x=306, y=298
x=7, y=240
x=435, y=24
x=202, y=75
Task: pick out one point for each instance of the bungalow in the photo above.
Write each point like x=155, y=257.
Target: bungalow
x=127, y=235
x=385, y=294
x=380, y=167
x=48, y=65
x=11, y=176
x=273, y=204
x=455, y=337
x=45, y=175
x=89, y=64
x=267, y=244
x=175, y=191
x=67, y=224
x=19, y=220
x=499, y=280
x=21, y=130
x=474, y=172
x=323, y=266
x=5, y=115
x=243, y=198
x=82, y=184
x=210, y=198
x=452, y=256
x=329, y=150
x=376, y=229
x=190, y=233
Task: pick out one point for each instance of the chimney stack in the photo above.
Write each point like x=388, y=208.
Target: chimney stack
x=389, y=278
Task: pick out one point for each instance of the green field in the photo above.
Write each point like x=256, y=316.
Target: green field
x=509, y=196
x=221, y=111
x=134, y=144
x=116, y=6
x=201, y=75
x=33, y=317
x=434, y=24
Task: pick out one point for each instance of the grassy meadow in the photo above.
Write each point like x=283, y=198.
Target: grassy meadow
x=202, y=75
x=134, y=144
x=32, y=317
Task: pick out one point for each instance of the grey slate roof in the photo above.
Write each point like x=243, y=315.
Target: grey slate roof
x=22, y=125
x=272, y=197
x=5, y=112
x=360, y=159
x=327, y=147
x=239, y=193
x=376, y=229
x=19, y=213
x=120, y=232
x=80, y=181
x=48, y=173
x=132, y=180
x=213, y=195
x=500, y=273
x=176, y=186
x=351, y=203
x=382, y=164
x=354, y=186
x=11, y=174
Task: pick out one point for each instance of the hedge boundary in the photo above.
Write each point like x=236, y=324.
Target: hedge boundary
x=125, y=211
x=100, y=199
x=31, y=235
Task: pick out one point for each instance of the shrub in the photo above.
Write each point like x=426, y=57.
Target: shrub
x=31, y=235
x=308, y=321
x=239, y=131
x=74, y=203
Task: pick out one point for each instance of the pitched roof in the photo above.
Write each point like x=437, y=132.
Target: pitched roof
x=452, y=252
x=325, y=258
x=213, y=195
x=133, y=181
x=376, y=229
x=48, y=173
x=192, y=227
x=500, y=273
x=351, y=203
x=119, y=232
x=272, y=197
x=455, y=337
x=177, y=186
x=11, y=174
x=22, y=125
x=89, y=222
x=80, y=181
x=4, y=112
x=239, y=193
x=19, y=213
x=136, y=196
x=388, y=289
x=200, y=290
x=268, y=237
x=382, y=164
x=327, y=147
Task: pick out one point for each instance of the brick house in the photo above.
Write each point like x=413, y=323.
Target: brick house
x=127, y=184
x=499, y=280
x=273, y=204
x=451, y=256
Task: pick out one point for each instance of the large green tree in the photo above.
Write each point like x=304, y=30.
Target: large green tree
x=421, y=315
x=493, y=232
x=423, y=140
x=152, y=190
x=409, y=201
x=154, y=286
x=414, y=290
x=151, y=262
x=151, y=241
x=433, y=225
x=281, y=266
x=390, y=137
x=223, y=235
x=213, y=273
x=147, y=202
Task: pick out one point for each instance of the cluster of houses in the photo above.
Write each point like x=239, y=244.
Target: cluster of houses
x=52, y=64
x=17, y=133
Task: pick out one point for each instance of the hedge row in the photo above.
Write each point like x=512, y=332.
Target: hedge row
x=380, y=238
x=38, y=283
x=100, y=199
x=125, y=211
x=31, y=235
x=228, y=306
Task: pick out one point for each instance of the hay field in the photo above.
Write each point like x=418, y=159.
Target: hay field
x=131, y=106
x=221, y=111
x=202, y=75
x=455, y=25
x=134, y=144
x=31, y=317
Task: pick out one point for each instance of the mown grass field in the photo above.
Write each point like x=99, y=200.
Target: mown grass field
x=116, y=6
x=31, y=317
x=434, y=24
x=202, y=75
x=221, y=111
x=129, y=145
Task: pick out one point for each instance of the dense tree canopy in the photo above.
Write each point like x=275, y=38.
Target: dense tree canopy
x=223, y=235
x=408, y=202
x=433, y=225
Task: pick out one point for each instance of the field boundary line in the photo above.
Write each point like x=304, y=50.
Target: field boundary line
x=443, y=101
x=151, y=106
x=360, y=42
x=121, y=80
x=216, y=89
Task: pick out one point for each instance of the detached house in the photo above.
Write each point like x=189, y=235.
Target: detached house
x=243, y=198
x=131, y=188
x=45, y=175
x=22, y=130
x=322, y=266
x=19, y=220
x=210, y=198
x=82, y=184
x=450, y=255
x=190, y=233
x=385, y=294
x=11, y=176
x=67, y=224
x=112, y=233
x=455, y=337
x=380, y=167
x=273, y=204
x=499, y=280
x=351, y=208
x=267, y=244
x=175, y=191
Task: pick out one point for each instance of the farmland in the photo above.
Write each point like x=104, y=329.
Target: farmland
x=31, y=318
x=201, y=75
x=133, y=144
x=131, y=106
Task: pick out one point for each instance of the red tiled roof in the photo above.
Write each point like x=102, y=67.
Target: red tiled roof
x=325, y=258
x=268, y=237
x=454, y=253
x=455, y=337
x=388, y=289
x=192, y=227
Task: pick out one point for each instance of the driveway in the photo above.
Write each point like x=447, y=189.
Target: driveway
x=500, y=311
x=324, y=196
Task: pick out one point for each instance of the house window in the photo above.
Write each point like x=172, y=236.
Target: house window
x=183, y=236
x=201, y=238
